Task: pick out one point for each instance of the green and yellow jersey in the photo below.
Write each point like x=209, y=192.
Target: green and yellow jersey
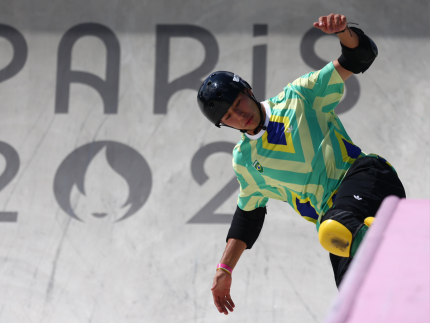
x=305, y=152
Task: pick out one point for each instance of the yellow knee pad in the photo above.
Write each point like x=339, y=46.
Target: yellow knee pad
x=335, y=238
x=338, y=240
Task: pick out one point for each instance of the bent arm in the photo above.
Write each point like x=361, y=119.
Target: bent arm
x=358, y=50
x=349, y=40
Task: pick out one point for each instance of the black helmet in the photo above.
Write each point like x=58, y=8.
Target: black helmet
x=217, y=94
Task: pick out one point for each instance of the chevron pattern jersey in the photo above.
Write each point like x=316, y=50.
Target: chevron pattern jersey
x=305, y=152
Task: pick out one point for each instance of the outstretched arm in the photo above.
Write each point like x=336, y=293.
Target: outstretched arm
x=222, y=280
x=335, y=23
x=244, y=231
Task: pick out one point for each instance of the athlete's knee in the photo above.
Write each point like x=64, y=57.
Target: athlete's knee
x=335, y=238
x=341, y=232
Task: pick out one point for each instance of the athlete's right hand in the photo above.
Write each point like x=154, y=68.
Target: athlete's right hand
x=221, y=292
x=331, y=23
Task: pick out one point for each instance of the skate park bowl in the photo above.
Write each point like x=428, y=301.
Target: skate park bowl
x=386, y=282
x=116, y=193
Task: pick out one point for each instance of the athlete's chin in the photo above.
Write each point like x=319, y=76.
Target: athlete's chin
x=250, y=129
x=253, y=125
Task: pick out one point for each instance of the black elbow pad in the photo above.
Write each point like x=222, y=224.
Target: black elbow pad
x=247, y=225
x=359, y=59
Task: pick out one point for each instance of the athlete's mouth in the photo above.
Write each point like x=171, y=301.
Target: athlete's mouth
x=249, y=121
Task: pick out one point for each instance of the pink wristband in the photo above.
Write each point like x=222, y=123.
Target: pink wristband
x=222, y=266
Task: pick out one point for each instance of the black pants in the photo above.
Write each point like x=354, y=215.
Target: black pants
x=369, y=180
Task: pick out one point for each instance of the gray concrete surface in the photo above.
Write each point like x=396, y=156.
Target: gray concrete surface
x=76, y=159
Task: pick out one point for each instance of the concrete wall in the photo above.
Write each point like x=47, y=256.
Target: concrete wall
x=110, y=175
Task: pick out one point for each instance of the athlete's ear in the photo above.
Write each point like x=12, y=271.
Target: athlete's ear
x=249, y=92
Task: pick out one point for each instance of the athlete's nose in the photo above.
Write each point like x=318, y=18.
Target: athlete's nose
x=239, y=113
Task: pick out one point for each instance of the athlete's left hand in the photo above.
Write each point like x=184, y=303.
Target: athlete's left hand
x=331, y=23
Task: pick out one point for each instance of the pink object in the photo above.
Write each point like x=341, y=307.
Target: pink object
x=230, y=270
x=389, y=279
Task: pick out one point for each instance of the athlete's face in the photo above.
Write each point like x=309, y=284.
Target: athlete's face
x=243, y=114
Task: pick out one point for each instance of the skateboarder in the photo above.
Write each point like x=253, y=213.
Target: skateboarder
x=294, y=148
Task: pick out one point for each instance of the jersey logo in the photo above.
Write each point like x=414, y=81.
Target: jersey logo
x=258, y=167
x=357, y=197
x=289, y=129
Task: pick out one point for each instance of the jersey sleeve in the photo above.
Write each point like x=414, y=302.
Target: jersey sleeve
x=249, y=197
x=322, y=89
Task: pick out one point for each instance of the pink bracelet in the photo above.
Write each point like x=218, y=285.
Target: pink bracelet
x=225, y=268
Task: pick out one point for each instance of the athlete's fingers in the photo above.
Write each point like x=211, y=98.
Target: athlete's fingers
x=223, y=306
x=322, y=21
x=220, y=306
x=216, y=300
x=317, y=25
x=336, y=26
x=217, y=304
x=228, y=298
x=227, y=305
x=330, y=20
x=343, y=22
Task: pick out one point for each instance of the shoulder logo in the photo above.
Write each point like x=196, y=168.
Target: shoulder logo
x=357, y=197
x=258, y=167
x=289, y=129
x=236, y=78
